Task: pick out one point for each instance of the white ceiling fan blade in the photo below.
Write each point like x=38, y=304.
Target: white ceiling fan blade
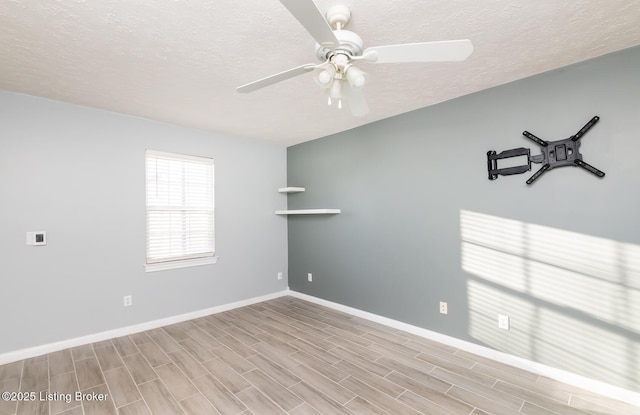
x=356, y=100
x=273, y=79
x=308, y=14
x=444, y=51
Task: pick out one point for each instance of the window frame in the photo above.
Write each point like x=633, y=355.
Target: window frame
x=187, y=259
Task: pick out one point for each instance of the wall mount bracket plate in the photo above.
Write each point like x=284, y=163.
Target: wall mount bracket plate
x=553, y=154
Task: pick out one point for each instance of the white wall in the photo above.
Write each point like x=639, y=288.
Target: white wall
x=78, y=174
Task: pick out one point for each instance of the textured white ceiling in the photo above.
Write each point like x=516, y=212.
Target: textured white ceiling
x=179, y=61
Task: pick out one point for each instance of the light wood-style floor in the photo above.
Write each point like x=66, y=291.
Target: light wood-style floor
x=285, y=356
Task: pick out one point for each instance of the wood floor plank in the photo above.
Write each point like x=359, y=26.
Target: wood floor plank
x=59, y=362
x=426, y=406
x=464, y=378
x=198, y=351
x=32, y=407
x=176, y=332
x=531, y=409
x=493, y=406
x=123, y=389
x=249, y=321
x=198, y=405
x=237, y=346
x=35, y=375
x=8, y=407
x=162, y=339
x=136, y=408
x=140, y=338
x=89, y=373
x=450, y=361
x=304, y=409
x=225, y=374
x=528, y=394
x=358, y=360
x=242, y=336
x=233, y=359
x=347, y=335
x=318, y=400
x=277, y=343
x=203, y=338
x=361, y=407
x=175, y=381
x=272, y=389
x=439, y=398
x=310, y=349
x=82, y=352
x=506, y=399
x=275, y=371
x=382, y=384
x=11, y=370
x=268, y=323
x=154, y=354
x=98, y=406
x=323, y=384
x=299, y=325
x=64, y=385
x=125, y=346
x=108, y=357
x=218, y=395
x=259, y=403
x=159, y=399
x=331, y=372
x=277, y=356
x=374, y=396
x=140, y=369
x=365, y=352
x=602, y=405
x=419, y=375
x=187, y=364
x=211, y=329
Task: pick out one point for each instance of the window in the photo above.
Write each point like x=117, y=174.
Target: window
x=180, y=207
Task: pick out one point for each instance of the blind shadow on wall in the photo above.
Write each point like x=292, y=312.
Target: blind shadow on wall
x=573, y=299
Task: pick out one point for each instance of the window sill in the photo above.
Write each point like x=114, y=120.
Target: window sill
x=161, y=266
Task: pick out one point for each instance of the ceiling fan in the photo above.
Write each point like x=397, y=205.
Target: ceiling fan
x=340, y=49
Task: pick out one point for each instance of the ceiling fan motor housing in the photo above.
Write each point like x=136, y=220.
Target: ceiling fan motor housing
x=350, y=44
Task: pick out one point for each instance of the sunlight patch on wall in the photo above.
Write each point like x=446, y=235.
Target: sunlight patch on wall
x=573, y=299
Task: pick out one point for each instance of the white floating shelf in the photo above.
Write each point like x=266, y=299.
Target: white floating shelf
x=291, y=189
x=308, y=212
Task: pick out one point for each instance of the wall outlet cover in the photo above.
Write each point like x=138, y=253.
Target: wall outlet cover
x=503, y=322
x=443, y=308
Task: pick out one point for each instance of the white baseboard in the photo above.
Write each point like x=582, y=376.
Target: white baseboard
x=564, y=376
x=125, y=331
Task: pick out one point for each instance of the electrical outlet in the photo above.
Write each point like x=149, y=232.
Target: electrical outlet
x=443, y=308
x=279, y=275
x=503, y=322
x=309, y=277
x=128, y=300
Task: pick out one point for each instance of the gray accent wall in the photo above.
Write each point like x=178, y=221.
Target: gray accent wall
x=421, y=223
x=78, y=174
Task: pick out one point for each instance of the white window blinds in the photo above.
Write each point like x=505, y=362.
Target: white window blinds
x=180, y=207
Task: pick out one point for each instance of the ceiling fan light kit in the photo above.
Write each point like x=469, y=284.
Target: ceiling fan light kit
x=339, y=49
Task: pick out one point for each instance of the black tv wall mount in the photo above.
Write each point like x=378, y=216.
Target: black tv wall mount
x=554, y=154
